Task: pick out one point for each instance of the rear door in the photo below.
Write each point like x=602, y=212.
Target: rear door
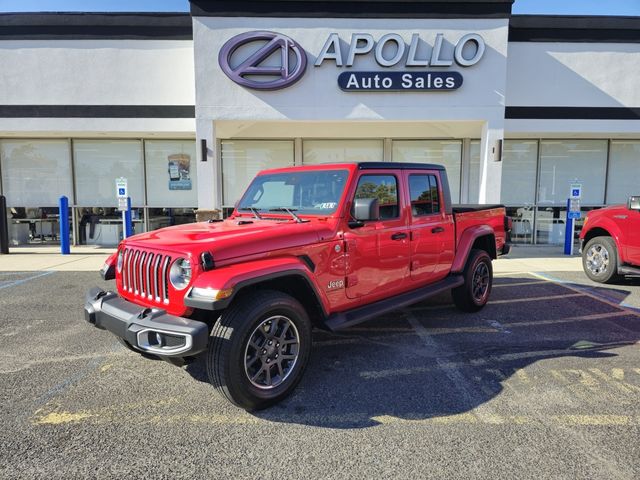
x=431, y=230
x=378, y=252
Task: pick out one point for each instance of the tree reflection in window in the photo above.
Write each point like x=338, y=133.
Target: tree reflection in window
x=382, y=187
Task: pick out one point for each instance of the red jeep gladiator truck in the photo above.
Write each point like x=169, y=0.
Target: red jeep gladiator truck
x=324, y=246
x=610, y=242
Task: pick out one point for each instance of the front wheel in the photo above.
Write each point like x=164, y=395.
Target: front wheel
x=600, y=260
x=259, y=348
x=474, y=293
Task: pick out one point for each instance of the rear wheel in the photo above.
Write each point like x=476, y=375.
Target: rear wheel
x=474, y=293
x=259, y=349
x=600, y=260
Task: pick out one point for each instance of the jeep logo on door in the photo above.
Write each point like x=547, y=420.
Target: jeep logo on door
x=262, y=70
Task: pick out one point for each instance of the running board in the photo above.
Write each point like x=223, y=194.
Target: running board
x=628, y=270
x=341, y=320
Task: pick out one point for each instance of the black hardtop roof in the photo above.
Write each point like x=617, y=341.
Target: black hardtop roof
x=399, y=166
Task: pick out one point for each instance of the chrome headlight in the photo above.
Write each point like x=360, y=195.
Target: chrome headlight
x=120, y=261
x=180, y=273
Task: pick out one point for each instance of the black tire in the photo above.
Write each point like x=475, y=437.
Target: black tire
x=229, y=351
x=474, y=293
x=600, y=260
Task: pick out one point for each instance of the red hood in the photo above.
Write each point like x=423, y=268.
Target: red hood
x=229, y=239
x=610, y=210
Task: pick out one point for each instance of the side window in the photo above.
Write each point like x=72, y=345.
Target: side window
x=425, y=199
x=385, y=189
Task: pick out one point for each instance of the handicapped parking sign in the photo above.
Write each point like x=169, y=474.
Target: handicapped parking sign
x=576, y=190
x=121, y=187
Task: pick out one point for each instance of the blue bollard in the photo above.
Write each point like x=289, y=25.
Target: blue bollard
x=568, y=233
x=128, y=224
x=4, y=227
x=63, y=204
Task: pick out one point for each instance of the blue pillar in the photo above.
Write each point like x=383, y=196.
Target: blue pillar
x=128, y=224
x=568, y=232
x=63, y=204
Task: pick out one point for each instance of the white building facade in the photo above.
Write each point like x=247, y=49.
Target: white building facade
x=189, y=107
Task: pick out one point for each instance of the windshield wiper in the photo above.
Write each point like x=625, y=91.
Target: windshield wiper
x=290, y=211
x=253, y=210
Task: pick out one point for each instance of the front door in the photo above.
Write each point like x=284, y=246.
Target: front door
x=632, y=235
x=378, y=252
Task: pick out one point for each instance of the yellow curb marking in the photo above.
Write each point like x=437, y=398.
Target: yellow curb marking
x=56, y=418
x=471, y=417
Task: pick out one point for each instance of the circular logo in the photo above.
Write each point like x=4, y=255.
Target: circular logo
x=251, y=72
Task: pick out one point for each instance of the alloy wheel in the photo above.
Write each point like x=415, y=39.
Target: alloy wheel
x=480, y=282
x=271, y=352
x=597, y=259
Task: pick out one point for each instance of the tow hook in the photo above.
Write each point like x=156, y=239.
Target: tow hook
x=144, y=313
x=99, y=295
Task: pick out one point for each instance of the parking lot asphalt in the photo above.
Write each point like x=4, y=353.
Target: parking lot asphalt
x=542, y=383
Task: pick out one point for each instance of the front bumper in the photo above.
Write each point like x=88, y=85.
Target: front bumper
x=149, y=330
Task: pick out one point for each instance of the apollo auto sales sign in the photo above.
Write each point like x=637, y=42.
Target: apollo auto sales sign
x=265, y=60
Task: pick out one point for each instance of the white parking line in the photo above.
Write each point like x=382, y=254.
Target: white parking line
x=586, y=292
x=519, y=284
x=537, y=299
x=473, y=398
x=25, y=280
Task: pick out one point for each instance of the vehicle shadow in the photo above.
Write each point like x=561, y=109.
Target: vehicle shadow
x=615, y=291
x=432, y=362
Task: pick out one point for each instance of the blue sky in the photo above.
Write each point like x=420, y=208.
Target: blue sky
x=564, y=7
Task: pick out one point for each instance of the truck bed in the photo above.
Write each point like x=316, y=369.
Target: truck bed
x=467, y=216
x=473, y=207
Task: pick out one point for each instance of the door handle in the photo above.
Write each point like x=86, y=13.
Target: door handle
x=437, y=230
x=398, y=236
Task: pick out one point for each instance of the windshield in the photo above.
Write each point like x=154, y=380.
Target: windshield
x=311, y=192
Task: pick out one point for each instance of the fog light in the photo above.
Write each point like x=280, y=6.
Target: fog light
x=159, y=340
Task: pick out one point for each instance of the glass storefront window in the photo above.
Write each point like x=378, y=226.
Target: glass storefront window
x=441, y=152
x=519, y=163
x=36, y=173
x=523, y=221
x=624, y=171
x=102, y=226
x=341, y=151
x=243, y=159
x=474, y=171
x=550, y=223
x=171, y=173
x=564, y=161
x=97, y=165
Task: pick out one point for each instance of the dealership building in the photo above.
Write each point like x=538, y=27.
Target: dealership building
x=188, y=107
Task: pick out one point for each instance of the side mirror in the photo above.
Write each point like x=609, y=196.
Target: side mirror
x=365, y=209
x=634, y=202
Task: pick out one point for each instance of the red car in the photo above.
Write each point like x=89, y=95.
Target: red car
x=610, y=241
x=324, y=246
